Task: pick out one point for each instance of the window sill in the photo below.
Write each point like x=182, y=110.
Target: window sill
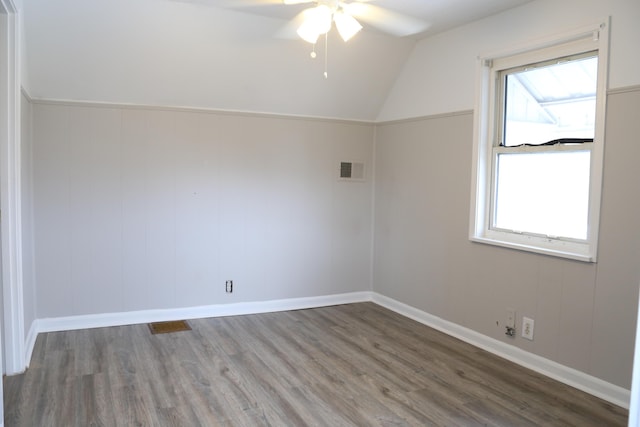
x=568, y=251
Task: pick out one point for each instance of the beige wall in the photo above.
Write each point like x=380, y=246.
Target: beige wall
x=584, y=313
x=139, y=209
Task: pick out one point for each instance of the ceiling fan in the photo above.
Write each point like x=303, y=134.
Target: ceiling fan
x=318, y=19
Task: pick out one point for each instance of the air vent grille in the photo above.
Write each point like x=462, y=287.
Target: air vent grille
x=352, y=171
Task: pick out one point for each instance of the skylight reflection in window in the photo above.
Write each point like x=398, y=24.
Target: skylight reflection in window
x=552, y=102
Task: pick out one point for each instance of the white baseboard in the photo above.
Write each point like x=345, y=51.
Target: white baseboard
x=577, y=379
x=145, y=316
x=106, y=320
x=580, y=380
x=31, y=342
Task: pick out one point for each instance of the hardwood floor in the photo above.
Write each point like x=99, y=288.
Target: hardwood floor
x=348, y=365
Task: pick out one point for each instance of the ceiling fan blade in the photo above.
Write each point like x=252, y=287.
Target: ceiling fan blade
x=386, y=20
x=289, y=30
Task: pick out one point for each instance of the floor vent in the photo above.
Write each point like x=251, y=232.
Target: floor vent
x=167, y=327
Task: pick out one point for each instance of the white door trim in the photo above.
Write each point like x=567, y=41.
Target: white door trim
x=10, y=203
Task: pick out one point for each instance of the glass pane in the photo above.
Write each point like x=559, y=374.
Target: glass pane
x=551, y=102
x=544, y=193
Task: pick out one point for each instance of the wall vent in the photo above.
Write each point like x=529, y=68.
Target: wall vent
x=352, y=171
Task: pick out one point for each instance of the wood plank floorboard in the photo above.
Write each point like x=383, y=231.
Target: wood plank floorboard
x=347, y=365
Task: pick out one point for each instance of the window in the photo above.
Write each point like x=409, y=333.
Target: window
x=539, y=147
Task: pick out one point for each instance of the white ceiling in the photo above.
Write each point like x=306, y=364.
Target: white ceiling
x=220, y=54
x=437, y=15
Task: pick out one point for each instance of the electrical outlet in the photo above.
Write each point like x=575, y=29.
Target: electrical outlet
x=228, y=287
x=527, y=328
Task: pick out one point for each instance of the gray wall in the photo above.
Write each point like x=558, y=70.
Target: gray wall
x=146, y=209
x=584, y=313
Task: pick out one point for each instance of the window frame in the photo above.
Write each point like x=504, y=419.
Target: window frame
x=487, y=122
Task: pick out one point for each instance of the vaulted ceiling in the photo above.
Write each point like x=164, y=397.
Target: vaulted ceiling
x=222, y=54
x=437, y=15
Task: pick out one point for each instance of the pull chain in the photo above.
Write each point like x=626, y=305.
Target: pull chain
x=313, y=55
x=326, y=54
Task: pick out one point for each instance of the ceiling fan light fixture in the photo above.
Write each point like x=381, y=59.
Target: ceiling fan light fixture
x=317, y=21
x=308, y=32
x=346, y=24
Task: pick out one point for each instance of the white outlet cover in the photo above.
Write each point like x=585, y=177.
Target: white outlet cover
x=527, y=328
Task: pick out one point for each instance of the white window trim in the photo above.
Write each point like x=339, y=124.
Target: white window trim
x=596, y=37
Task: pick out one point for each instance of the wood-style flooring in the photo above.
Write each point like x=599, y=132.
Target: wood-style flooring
x=348, y=365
